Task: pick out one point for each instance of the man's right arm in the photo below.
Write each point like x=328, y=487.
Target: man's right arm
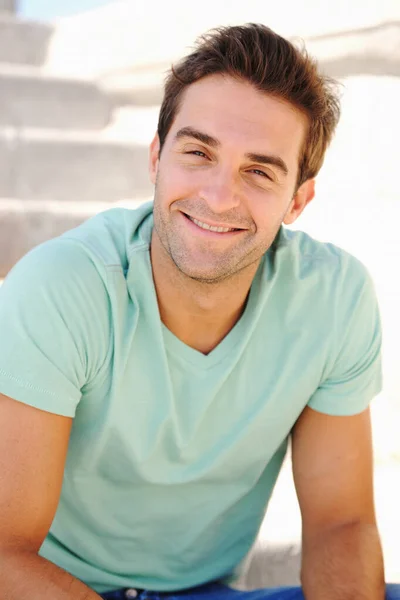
x=33, y=449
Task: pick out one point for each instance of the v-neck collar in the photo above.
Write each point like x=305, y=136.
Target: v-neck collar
x=232, y=340
x=241, y=330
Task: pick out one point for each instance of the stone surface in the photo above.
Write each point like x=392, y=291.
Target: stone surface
x=135, y=87
x=30, y=98
x=23, y=42
x=134, y=38
x=8, y=5
x=54, y=165
x=371, y=50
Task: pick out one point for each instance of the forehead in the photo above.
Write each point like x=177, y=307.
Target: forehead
x=236, y=113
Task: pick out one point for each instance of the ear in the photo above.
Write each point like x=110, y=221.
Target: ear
x=303, y=196
x=154, y=158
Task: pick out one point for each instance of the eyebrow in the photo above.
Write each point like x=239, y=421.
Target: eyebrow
x=267, y=159
x=197, y=135
x=209, y=140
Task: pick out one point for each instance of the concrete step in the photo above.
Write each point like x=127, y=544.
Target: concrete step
x=23, y=42
x=24, y=224
x=31, y=98
x=373, y=50
x=52, y=164
x=135, y=87
x=8, y=5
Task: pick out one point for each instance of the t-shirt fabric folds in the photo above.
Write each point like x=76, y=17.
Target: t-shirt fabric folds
x=174, y=454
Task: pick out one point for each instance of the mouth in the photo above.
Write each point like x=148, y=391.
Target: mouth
x=207, y=227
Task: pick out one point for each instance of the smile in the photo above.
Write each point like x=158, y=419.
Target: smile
x=210, y=227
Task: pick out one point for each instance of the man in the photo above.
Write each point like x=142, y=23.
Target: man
x=155, y=362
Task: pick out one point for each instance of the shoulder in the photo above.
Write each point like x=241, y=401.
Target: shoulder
x=321, y=261
x=110, y=237
x=72, y=268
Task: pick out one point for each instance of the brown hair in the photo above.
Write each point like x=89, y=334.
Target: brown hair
x=258, y=55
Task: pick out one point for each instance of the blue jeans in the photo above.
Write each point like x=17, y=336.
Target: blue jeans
x=217, y=591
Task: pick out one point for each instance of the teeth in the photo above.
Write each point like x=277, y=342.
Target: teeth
x=210, y=227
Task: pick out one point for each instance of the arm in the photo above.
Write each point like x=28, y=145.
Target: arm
x=332, y=468
x=33, y=448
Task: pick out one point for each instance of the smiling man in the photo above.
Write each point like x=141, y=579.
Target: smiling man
x=154, y=363
x=225, y=180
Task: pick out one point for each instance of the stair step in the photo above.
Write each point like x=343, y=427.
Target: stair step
x=8, y=5
x=373, y=50
x=24, y=224
x=22, y=41
x=53, y=164
x=32, y=98
x=135, y=87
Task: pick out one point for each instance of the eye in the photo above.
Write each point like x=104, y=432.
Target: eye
x=197, y=153
x=262, y=173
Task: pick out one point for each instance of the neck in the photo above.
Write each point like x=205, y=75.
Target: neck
x=199, y=314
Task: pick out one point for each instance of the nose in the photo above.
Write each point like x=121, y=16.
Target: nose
x=220, y=191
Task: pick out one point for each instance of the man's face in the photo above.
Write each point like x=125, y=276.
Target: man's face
x=230, y=160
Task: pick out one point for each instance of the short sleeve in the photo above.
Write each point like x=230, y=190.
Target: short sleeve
x=53, y=326
x=355, y=375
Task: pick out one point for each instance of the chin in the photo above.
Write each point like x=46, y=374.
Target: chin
x=202, y=275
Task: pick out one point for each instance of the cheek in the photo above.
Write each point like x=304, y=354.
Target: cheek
x=175, y=183
x=267, y=212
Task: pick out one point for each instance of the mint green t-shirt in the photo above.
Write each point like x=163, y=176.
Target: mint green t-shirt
x=173, y=454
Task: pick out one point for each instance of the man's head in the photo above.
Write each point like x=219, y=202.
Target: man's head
x=243, y=128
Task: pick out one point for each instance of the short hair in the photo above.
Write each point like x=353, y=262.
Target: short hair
x=256, y=54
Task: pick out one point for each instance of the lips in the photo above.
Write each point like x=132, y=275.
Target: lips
x=213, y=228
